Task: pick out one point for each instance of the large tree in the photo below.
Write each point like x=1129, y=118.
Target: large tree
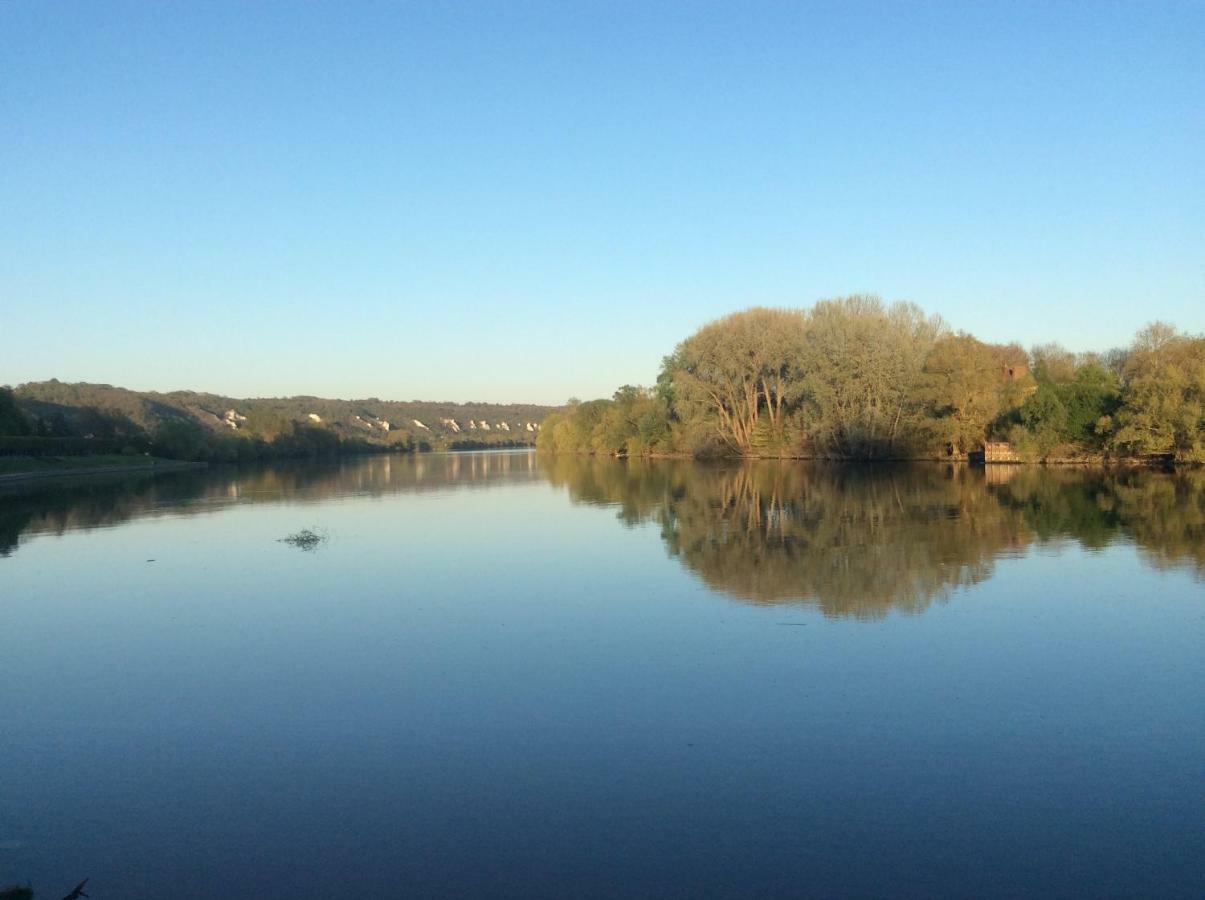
x=862, y=367
x=968, y=384
x=740, y=375
x=1163, y=398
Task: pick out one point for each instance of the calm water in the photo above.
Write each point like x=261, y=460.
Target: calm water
x=502, y=676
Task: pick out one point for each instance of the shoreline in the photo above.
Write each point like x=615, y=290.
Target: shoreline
x=1060, y=463
x=83, y=471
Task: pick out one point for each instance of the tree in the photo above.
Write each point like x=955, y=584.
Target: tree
x=968, y=384
x=13, y=420
x=635, y=424
x=180, y=439
x=733, y=371
x=1093, y=395
x=1045, y=418
x=1052, y=363
x=1163, y=399
x=862, y=363
x=1073, y=396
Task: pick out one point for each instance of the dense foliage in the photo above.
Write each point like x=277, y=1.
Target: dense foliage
x=855, y=378
x=13, y=420
x=1162, y=407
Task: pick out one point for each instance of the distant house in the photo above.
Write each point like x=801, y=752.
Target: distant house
x=450, y=423
x=419, y=424
x=314, y=417
x=485, y=426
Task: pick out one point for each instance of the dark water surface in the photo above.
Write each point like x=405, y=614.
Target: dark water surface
x=504, y=676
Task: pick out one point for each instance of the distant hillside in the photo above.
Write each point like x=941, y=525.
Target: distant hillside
x=114, y=412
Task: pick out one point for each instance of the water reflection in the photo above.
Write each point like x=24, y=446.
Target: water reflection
x=484, y=682
x=862, y=541
x=852, y=541
x=53, y=507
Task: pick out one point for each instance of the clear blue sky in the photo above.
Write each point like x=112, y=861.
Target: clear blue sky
x=526, y=201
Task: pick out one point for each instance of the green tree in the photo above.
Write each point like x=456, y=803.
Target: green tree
x=180, y=439
x=1163, y=398
x=1074, y=393
x=733, y=372
x=862, y=365
x=968, y=385
x=1045, y=418
x=13, y=420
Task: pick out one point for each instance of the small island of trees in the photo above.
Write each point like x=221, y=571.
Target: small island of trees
x=854, y=378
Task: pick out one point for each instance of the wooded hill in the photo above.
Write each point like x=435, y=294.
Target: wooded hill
x=114, y=414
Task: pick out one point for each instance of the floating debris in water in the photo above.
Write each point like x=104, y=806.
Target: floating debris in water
x=306, y=539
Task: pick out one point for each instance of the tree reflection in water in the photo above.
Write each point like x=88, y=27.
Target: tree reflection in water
x=863, y=540
x=851, y=540
x=58, y=505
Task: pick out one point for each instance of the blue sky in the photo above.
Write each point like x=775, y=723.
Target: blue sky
x=527, y=201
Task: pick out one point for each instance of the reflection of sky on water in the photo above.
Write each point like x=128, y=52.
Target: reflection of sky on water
x=502, y=692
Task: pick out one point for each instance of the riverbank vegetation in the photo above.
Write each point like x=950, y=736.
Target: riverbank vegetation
x=855, y=378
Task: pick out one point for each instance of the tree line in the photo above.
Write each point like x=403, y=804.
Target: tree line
x=854, y=378
x=199, y=424
x=87, y=430
x=53, y=418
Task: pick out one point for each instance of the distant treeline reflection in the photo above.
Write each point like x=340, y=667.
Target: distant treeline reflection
x=53, y=507
x=862, y=541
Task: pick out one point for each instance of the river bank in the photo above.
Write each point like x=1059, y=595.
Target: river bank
x=24, y=468
x=1080, y=462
